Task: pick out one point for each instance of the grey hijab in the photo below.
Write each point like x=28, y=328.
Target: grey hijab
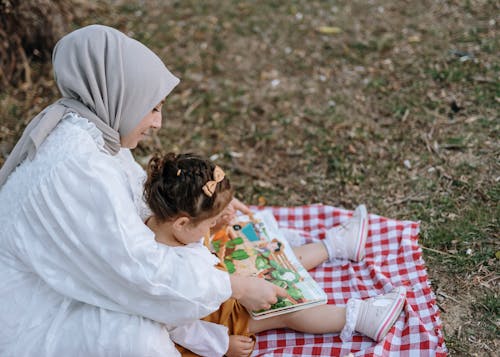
x=106, y=77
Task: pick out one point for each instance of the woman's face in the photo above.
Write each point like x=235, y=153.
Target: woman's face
x=151, y=121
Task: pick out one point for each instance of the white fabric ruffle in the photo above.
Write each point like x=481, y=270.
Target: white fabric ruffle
x=351, y=317
x=87, y=126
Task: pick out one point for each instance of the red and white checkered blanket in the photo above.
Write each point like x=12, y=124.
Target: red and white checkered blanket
x=393, y=258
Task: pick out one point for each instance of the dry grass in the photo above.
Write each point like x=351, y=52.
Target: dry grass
x=394, y=104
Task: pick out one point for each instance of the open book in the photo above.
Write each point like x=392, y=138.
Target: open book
x=256, y=247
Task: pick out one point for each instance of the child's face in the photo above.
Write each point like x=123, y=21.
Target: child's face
x=192, y=233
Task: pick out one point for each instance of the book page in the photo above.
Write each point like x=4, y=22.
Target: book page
x=256, y=247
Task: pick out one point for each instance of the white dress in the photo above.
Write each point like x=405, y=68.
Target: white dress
x=201, y=337
x=81, y=275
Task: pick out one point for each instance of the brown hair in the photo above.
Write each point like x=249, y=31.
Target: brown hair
x=174, y=188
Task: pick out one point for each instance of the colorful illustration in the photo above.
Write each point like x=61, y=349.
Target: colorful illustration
x=252, y=248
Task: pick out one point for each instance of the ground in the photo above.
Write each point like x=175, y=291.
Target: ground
x=389, y=103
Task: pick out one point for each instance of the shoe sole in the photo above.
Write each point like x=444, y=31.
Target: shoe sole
x=363, y=234
x=392, y=316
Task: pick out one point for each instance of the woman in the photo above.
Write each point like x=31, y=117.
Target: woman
x=81, y=274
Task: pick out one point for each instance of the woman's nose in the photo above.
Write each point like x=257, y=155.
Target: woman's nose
x=157, y=121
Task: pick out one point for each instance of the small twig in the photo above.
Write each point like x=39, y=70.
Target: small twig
x=487, y=286
x=492, y=322
x=441, y=308
x=436, y=114
x=192, y=107
x=440, y=252
x=448, y=297
x=409, y=199
x=493, y=279
x=405, y=115
x=425, y=138
x=444, y=120
x=486, y=345
x=25, y=62
x=483, y=79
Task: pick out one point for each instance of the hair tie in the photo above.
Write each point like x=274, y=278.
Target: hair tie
x=210, y=186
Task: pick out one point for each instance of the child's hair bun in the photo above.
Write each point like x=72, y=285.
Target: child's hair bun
x=169, y=165
x=155, y=166
x=165, y=166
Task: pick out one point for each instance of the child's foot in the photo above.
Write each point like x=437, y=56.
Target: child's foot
x=348, y=240
x=376, y=315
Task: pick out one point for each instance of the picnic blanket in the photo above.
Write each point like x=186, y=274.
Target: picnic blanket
x=393, y=258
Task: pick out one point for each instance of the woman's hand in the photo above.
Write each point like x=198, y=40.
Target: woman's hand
x=255, y=293
x=239, y=346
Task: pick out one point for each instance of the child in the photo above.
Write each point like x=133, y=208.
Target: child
x=187, y=195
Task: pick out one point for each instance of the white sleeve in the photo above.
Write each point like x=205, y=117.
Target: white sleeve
x=202, y=337
x=88, y=243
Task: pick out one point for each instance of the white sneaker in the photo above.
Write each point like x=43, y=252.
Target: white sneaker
x=348, y=240
x=376, y=315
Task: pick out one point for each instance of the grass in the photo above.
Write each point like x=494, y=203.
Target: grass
x=398, y=109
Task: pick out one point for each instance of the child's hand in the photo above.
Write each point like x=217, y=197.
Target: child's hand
x=239, y=346
x=237, y=205
x=230, y=212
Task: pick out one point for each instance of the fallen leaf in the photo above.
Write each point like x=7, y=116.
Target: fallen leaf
x=329, y=30
x=414, y=39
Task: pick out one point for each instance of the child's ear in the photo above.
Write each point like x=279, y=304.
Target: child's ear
x=180, y=223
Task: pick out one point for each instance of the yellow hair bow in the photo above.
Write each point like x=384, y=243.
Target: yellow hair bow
x=210, y=186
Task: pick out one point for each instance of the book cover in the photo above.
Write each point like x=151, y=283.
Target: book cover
x=255, y=247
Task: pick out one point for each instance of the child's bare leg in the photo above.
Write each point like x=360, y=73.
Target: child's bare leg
x=311, y=255
x=317, y=319
x=372, y=317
